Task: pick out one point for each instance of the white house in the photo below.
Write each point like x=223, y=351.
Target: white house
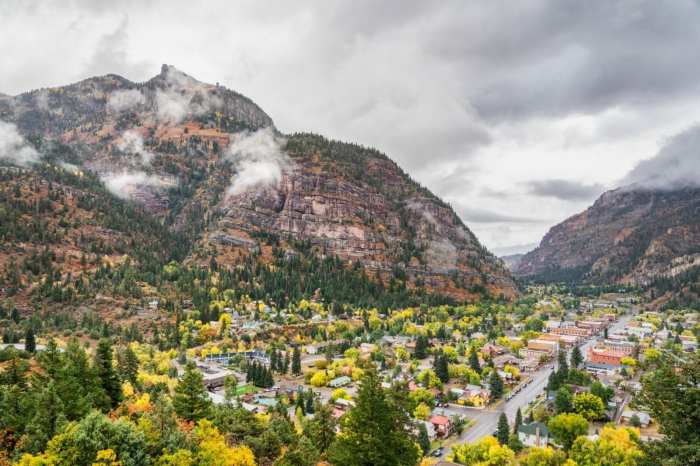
x=535, y=434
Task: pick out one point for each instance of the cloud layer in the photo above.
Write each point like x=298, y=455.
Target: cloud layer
x=125, y=184
x=258, y=160
x=13, y=147
x=675, y=166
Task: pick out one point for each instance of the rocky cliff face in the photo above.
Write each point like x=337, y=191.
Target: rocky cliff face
x=628, y=236
x=184, y=149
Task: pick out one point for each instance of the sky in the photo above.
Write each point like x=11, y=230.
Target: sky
x=519, y=114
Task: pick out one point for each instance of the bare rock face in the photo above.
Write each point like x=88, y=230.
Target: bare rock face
x=627, y=236
x=166, y=143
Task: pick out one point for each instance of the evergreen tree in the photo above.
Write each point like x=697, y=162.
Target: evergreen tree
x=576, y=358
x=128, y=365
x=273, y=359
x=518, y=421
x=421, y=351
x=563, y=372
x=423, y=439
x=375, y=431
x=107, y=378
x=48, y=418
x=474, y=361
x=285, y=365
x=309, y=402
x=321, y=429
x=496, y=384
x=503, y=430
x=29, y=340
x=296, y=361
x=440, y=366
x=191, y=401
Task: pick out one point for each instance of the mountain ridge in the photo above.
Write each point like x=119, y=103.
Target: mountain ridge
x=182, y=149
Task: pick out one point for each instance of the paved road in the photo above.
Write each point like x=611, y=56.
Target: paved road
x=487, y=419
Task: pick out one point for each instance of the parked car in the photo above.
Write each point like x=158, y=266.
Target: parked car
x=437, y=453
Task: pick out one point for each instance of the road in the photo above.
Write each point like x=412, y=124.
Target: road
x=487, y=419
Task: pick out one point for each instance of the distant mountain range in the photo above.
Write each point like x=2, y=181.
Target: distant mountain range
x=632, y=235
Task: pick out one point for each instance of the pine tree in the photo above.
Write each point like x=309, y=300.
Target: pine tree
x=296, y=361
x=321, y=429
x=423, y=439
x=48, y=418
x=474, y=361
x=496, y=384
x=128, y=365
x=191, y=401
x=309, y=402
x=376, y=431
x=285, y=366
x=29, y=340
x=300, y=403
x=107, y=378
x=563, y=371
x=518, y=421
x=273, y=359
x=576, y=358
x=503, y=430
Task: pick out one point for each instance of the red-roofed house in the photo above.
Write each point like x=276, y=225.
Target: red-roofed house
x=442, y=425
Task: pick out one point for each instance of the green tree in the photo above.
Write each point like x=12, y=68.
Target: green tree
x=496, y=384
x=474, y=361
x=518, y=421
x=563, y=369
x=79, y=442
x=48, y=418
x=567, y=427
x=602, y=392
x=29, y=340
x=423, y=439
x=128, y=365
x=321, y=429
x=191, y=400
x=670, y=393
x=589, y=406
x=303, y=453
x=296, y=361
x=576, y=358
x=107, y=378
x=563, y=400
x=375, y=431
x=503, y=430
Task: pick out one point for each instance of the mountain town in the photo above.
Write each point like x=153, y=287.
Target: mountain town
x=183, y=283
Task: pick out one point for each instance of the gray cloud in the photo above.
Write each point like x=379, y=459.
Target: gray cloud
x=13, y=147
x=477, y=215
x=676, y=165
x=565, y=190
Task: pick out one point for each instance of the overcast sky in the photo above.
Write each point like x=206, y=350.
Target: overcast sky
x=517, y=113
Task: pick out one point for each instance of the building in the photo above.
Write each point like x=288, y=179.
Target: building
x=535, y=434
x=340, y=381
x=574, y=331
x=644, y=418
x=606, y=356
x=594, y=325
x=601, y=369
x=442, y=425
x=626, y=347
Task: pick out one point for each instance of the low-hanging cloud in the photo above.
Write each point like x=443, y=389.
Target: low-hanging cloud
x=126, y=184
x=675, y=166
x=183, y=96
x=13, y=147
x=565, y=190
x=258, y=159
x=131, y=143
x=123, y=100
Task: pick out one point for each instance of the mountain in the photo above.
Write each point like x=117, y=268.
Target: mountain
x=512, y=260
x=108, y=170
x=630, y=235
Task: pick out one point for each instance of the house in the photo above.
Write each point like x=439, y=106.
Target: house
x=644, y=418
x=442, y=425
x=340, y=381
x=601, y=369
x=606, y=356
x=535, y=434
